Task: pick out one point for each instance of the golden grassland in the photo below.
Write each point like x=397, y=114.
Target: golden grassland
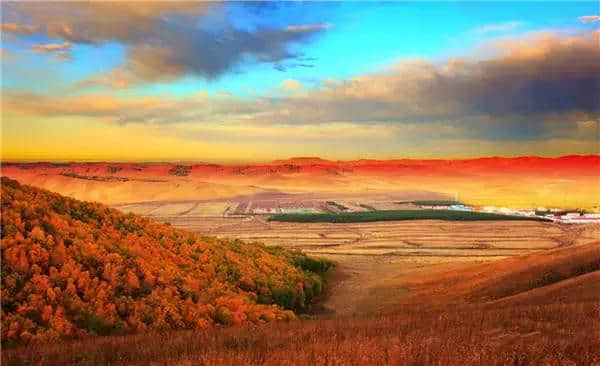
x=562, y=334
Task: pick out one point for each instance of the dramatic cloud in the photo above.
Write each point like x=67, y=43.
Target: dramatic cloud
x=589, y=18
x=184, y=51
x=537, y=88
x=527, y=80
x=98, y=21
x=164, y=40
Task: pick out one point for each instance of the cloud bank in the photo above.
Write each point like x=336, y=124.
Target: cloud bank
x=164, y=40
x=542, y=87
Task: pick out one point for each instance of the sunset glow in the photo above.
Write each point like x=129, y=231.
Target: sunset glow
x=247, y=82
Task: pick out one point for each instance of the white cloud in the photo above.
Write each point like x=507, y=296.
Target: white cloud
x=497, y=28
x=589, y=18
x=307, y=27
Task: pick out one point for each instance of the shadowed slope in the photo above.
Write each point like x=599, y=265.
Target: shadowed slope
x=561, y=273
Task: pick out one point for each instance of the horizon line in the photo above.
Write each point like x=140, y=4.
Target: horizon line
x=251, y=161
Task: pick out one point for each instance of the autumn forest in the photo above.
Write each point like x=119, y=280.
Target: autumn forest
x=72, y=268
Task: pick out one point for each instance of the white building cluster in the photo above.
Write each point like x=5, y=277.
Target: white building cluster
x=553, y=214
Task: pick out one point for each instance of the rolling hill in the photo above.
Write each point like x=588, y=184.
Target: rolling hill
x=567, y=181
x=559, y=276
x=73, y=268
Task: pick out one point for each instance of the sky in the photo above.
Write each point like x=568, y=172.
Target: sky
x=258, y=81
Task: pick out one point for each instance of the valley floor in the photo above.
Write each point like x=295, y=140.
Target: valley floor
x=374, y=259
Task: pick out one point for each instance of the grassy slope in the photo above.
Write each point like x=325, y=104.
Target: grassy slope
x=73, y=268
x=584, y=288
x=509, y=277
x=394, y=215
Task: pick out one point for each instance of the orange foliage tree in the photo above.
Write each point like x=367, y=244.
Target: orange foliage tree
x=72, y=268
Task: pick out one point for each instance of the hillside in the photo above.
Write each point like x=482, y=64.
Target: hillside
x=565, y=275
x=506, y=312
x=73, y=268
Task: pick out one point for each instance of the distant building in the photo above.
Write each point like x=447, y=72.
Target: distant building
x=267, y=210
x=571, y=218
x=298, y=210
x=460, y=208
x=526, y=213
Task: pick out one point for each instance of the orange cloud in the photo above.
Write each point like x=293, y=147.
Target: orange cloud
x=20, y=29
x=95, y=21
x=291, y=84
x=60, y=51
x=51, y=47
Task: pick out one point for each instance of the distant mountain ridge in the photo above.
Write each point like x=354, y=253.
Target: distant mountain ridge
x=527, y=181
x=567, y=162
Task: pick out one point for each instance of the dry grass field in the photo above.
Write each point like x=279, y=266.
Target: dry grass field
x=526, y=335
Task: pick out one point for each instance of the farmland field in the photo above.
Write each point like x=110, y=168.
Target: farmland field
x=375, y=257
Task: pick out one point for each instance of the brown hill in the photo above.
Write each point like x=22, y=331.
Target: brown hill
x=568, y=181
x=564, y=275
